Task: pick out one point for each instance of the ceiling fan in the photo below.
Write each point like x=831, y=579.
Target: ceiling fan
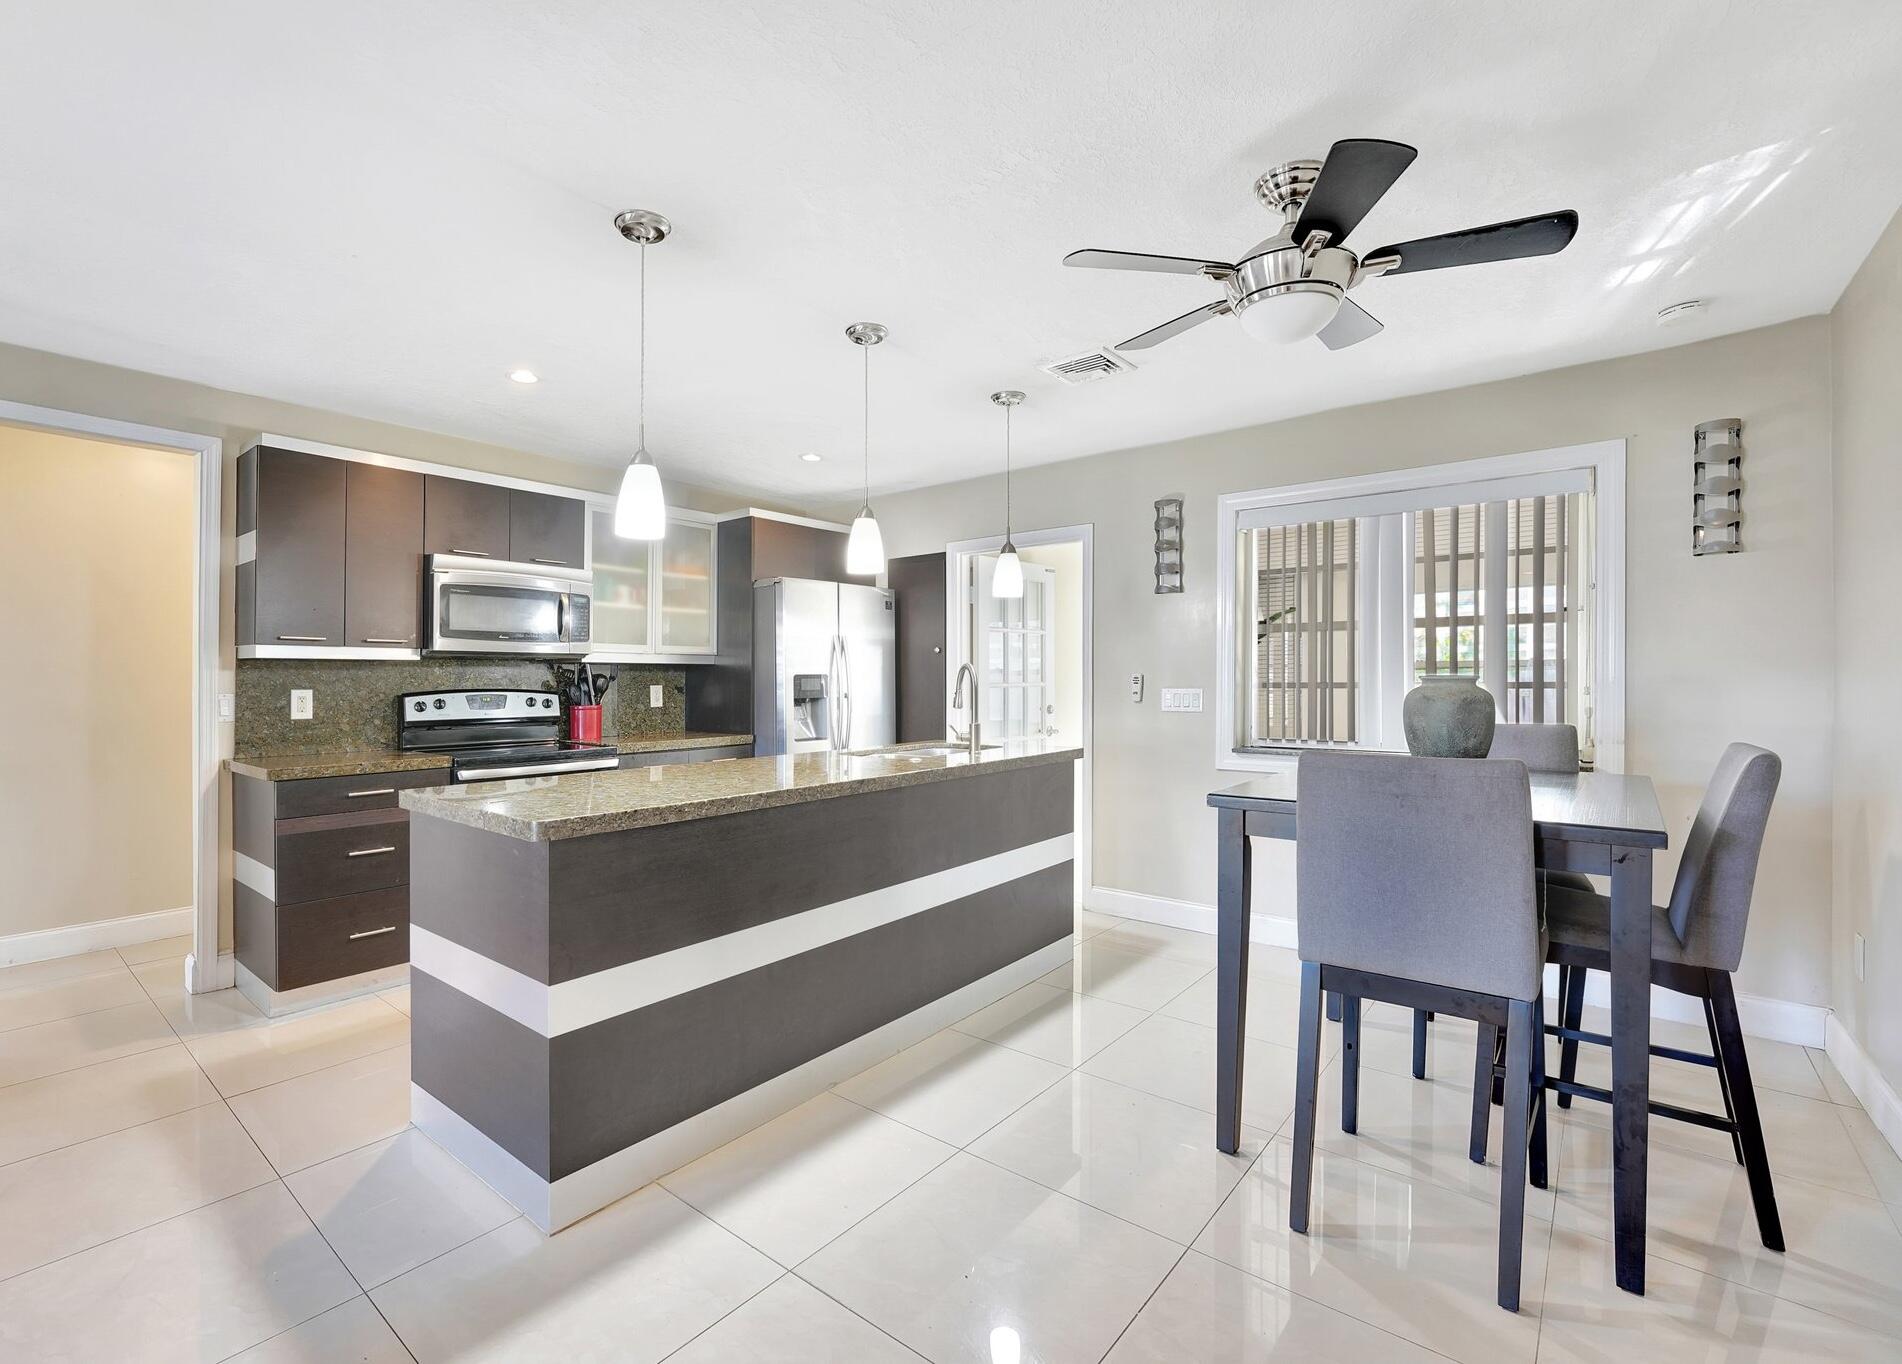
x=1294, y=284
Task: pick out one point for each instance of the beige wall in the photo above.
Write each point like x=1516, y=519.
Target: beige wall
x=96, y=555
x=1737, y=647
x=61, y=382
x=1866, y=336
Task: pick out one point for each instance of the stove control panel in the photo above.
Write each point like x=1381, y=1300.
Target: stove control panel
x=427, y=707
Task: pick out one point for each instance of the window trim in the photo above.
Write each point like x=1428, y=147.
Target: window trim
x=1473, y=480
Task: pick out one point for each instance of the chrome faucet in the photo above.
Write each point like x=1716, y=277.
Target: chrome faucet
x=972, y=737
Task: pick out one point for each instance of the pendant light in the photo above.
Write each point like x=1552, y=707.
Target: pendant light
x=1007, y=580
x=865, y=547
x=640, y=508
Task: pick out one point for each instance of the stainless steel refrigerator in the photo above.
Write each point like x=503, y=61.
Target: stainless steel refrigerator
x=824, y=666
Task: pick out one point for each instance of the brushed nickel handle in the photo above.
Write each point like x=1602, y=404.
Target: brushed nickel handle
x=369, y=852
x=375, y=791
x=306, y=639
x=373, y=639
x=373, y=932
x=474, y=553
x=562, y=562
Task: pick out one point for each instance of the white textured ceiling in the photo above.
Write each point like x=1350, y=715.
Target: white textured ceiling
x=383, y=208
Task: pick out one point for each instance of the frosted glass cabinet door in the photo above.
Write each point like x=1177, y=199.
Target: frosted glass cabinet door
x=686, y=587
x=623, y=605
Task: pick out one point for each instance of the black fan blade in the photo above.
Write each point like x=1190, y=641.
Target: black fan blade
x=1522, y=237
x=1175, y=326
x=1351, y=324
x=1355, y=174
x=1136, y=260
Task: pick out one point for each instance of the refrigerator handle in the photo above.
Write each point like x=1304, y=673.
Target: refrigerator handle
x=832, y=693
x=845, y=692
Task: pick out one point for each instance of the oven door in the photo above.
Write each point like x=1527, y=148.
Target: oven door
x=478, y=608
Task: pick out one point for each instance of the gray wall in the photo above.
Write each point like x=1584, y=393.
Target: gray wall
x=1722, y=648
x=1866, y=334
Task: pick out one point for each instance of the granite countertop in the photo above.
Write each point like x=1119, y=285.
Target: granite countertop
x=357, y=762
x=539, y=809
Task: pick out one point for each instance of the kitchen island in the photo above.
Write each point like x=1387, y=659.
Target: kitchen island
x=615, y=972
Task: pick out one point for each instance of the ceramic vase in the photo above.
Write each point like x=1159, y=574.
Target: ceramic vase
x=1449, y=715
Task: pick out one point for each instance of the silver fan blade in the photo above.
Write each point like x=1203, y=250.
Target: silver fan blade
x=1136, y=260
x=1175, y=326
x=1351, y=324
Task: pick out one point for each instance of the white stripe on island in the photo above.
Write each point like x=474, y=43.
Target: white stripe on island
x=557, y=1009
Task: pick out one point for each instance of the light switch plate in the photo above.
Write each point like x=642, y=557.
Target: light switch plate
x=227, y=706
x=1182, y=698
x=1136, y=687
x=656, y=696
x=1860, y=954
x=300, y=703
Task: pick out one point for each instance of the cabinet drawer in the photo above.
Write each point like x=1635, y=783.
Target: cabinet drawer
x=324, y=939
x=341, y=855
x=662, y=757
x=347, y=795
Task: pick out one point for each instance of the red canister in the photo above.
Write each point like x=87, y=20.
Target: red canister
x=584, y=724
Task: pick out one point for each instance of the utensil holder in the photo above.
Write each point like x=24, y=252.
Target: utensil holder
x=584, y=724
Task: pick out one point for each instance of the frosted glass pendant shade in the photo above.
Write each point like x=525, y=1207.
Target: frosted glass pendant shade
x=1008, y=579
x=640, y=508
x=865, y=548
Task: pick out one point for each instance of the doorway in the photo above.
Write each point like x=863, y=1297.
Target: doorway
x=197, y=777
x=1033, y=654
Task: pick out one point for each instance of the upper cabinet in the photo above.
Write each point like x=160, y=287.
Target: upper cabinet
x=653, y=598
x=546, y=529
x=462, y=517
x=290, y=550
x=383, y=557
x=332, y=548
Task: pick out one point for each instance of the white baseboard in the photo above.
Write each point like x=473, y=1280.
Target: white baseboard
x=277, y=1003
x=74, y=939
x=1774, y=1020
x=1878, y=1096
x=222, y=975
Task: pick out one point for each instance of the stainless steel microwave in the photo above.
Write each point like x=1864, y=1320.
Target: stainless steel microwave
x=486, y=606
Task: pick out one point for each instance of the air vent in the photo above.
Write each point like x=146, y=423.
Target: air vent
x=1088, y=367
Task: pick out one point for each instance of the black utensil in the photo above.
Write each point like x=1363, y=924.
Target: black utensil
x=601, y=683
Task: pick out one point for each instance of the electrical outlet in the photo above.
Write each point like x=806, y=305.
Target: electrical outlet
x=1859, y=956
x=300, y=703
x=1182, y=698
x=1136, y=687
x=227, y=706
x=656, y=696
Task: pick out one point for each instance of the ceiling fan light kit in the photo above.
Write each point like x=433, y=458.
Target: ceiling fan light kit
x=640, y=507
x=1294, y=284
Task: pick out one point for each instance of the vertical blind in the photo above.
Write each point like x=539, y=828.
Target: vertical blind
x=1305, y=678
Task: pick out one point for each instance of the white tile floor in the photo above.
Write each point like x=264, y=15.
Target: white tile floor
x=181, y=1178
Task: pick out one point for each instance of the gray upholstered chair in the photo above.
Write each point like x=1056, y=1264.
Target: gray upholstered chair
x=1696, y=942
x=1542, y=748
x=1415, y=885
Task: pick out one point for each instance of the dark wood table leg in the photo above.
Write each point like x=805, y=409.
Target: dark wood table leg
x=1630, y=1057
x=1231, y=974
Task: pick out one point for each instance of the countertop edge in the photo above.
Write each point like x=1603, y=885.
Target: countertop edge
x=345, y=763
x=582, y=826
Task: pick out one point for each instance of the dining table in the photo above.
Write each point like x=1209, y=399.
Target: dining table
x=1600, y=823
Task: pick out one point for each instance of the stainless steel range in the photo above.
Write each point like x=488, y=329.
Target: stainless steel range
x=493, y=735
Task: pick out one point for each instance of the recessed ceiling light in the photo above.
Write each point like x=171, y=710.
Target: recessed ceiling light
x=525, y=376
x=811, y=458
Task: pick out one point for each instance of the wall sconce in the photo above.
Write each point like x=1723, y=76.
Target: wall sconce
x=1168, y=545
x=1717, y=487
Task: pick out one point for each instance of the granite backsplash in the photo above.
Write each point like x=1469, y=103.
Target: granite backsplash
x=353, y=702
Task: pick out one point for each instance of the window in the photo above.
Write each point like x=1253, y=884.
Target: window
x=1337, y=596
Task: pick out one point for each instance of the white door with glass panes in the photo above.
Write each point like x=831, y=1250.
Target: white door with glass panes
x=1014, y=655
x=652, y=597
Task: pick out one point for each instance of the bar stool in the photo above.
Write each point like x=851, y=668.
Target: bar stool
x=1697, y=941
x=1415, y=885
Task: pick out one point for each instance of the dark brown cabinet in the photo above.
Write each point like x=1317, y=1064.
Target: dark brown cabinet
x=549, y=530
x=290, y=549
x=460, y=517
x=917, y=585
x=383, y=557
